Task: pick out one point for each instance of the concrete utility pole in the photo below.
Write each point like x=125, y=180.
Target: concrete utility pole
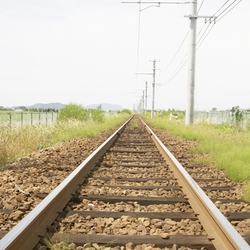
x=153, y=95
x=143, y=102
x=189, y=118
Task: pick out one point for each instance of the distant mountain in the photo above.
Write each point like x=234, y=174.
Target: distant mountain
x=54, y=105
x=105, y=106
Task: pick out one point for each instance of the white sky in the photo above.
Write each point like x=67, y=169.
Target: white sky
x=85, y=52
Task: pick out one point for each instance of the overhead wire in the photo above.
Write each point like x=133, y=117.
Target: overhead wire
x=140, y=2
x=138, y=39
x=184, y=60
x=175, y=55
x=201, y=39
x=228, y=11
x=176, y=51
x=138, y=45
x=205, y=35
x=178, y=70
x=183, y=63
x=221, y=8
x=214, y=16
x=200, y=6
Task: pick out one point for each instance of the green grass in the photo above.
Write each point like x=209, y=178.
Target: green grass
x=65, y=131
x=17, y=142
x=223, y=147
x=133, y=124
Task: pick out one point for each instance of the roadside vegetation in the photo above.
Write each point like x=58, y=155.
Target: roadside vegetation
x=73, y=121
x=224, y=147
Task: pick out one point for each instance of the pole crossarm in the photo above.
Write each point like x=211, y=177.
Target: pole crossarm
x=207, y=18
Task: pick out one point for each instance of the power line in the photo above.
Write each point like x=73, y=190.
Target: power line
x=204, y=33
x=183, y=63
x=176, y=51
x=184, y=60
x=138, y=42
x=200, y=7
x=180, y=67
x=201, y=29
x=200, y=43
x=228, y=11
x=221, y=7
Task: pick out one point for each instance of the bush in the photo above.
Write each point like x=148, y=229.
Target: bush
x=126, y=111
x=237, y=116
x=97, y=114
x=73, y=112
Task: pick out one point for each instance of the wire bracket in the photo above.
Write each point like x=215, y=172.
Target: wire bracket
x=210, y=19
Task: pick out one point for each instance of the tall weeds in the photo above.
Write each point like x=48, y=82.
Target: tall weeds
x=17, y=142
x=223, y=147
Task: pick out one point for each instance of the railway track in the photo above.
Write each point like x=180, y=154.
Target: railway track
x=131, y=193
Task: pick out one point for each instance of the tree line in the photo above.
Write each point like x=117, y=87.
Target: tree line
x=23, y=108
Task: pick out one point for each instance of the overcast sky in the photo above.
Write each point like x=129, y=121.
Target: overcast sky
x=87, y=52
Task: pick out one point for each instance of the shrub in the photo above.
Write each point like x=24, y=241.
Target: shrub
x=126, y=111
x=73, y=112
x=97, y=114
x=237, y=116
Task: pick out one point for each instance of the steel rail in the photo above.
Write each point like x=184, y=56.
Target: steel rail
x=219, y=230
x=26, y=234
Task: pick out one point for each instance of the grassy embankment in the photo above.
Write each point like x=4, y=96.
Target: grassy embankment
x=17, y=142
x=223, y=147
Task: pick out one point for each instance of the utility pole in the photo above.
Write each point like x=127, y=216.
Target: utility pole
x=189, y=117
x=143, y=107
x=153, y=95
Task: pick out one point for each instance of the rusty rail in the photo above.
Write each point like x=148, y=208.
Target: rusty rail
x=25, y=235
x=220, y=231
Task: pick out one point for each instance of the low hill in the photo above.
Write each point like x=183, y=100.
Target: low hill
x=54, y=105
